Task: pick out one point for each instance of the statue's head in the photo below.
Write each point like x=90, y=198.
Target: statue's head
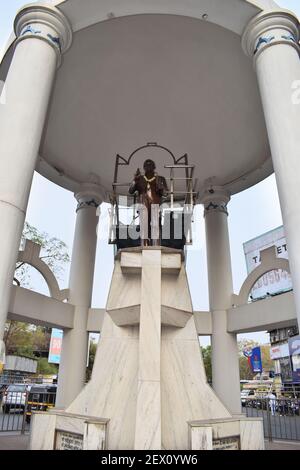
x=149, y=166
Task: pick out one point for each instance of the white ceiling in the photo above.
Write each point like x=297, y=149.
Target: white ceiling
x=154, y=71
x=181, y=82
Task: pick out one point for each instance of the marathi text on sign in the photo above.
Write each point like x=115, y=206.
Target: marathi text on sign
x=68, y=441
x=226, y=443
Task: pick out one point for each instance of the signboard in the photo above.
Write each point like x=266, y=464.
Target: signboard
x=227, y=443
x=285, y=369
x=68, y=441
x=275, y=281
x=280, y=350
x=294, y=348
x=55, y=346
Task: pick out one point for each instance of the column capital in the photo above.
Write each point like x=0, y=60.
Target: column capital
x=269, y=29
x=89, y=195
x=215, y=199
x=44, y=22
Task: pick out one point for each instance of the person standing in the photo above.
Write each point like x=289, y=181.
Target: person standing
x=272, y=402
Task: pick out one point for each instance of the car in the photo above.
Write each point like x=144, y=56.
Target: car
x=40, y=398
x=15, y=397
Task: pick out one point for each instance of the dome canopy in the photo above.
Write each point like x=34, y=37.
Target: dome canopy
x=167, y=72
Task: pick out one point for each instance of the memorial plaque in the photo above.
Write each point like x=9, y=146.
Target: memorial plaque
x=227, y=443
x=68, y=441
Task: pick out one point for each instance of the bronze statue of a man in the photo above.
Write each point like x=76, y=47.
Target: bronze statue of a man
x=151, y=188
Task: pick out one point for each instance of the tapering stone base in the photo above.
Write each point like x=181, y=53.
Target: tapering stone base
x=148, y=379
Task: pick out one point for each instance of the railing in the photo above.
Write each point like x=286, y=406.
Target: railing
x=12, y=378
x=281, y=417
x=17, y=408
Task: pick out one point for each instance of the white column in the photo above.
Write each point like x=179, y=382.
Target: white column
x=225, y=364
x=73, y=363
x=272, y=39
x=43, y=34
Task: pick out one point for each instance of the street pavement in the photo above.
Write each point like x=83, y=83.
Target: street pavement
x=13, y=441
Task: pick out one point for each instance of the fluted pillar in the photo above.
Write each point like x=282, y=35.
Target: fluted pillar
x=225, y=364
x=43, y=35
x=272, y=40
x=72, y=367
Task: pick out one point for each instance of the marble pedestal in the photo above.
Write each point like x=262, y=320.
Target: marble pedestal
x=239, y=433
x=59, y=430
x=148, y=379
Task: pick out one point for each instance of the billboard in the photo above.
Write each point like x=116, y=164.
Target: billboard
x=279, y=350
x=55, y=346
x=294, y=347
x=275, y=281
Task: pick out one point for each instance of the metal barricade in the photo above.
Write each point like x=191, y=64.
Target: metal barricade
x=12, y=414
x=281, y=417
x=17, y=405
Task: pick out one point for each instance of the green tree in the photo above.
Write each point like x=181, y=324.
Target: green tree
x=16, y=336
x=245, y=369
x=54, y=253
x=92, y=354
x=268, y=363
x=44, y=368
x=245, y=344
x=206, y=354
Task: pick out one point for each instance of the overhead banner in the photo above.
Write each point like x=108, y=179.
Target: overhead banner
x=254, y=358
x=294, y=347
x=55, y=346
x=275, y=281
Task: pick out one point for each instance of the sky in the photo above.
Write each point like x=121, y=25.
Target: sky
x=251, y=213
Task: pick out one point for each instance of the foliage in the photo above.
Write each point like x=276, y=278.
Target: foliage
x=268, y=363
x=92, y=354
x=206, y=353
x=54, y=253
x=245, y=369
x=44, y=368
x=29, y=340
x=16, y=336
x=25, y=339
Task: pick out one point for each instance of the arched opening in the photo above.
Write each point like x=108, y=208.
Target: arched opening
x=29, y=277
x=272, y=283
